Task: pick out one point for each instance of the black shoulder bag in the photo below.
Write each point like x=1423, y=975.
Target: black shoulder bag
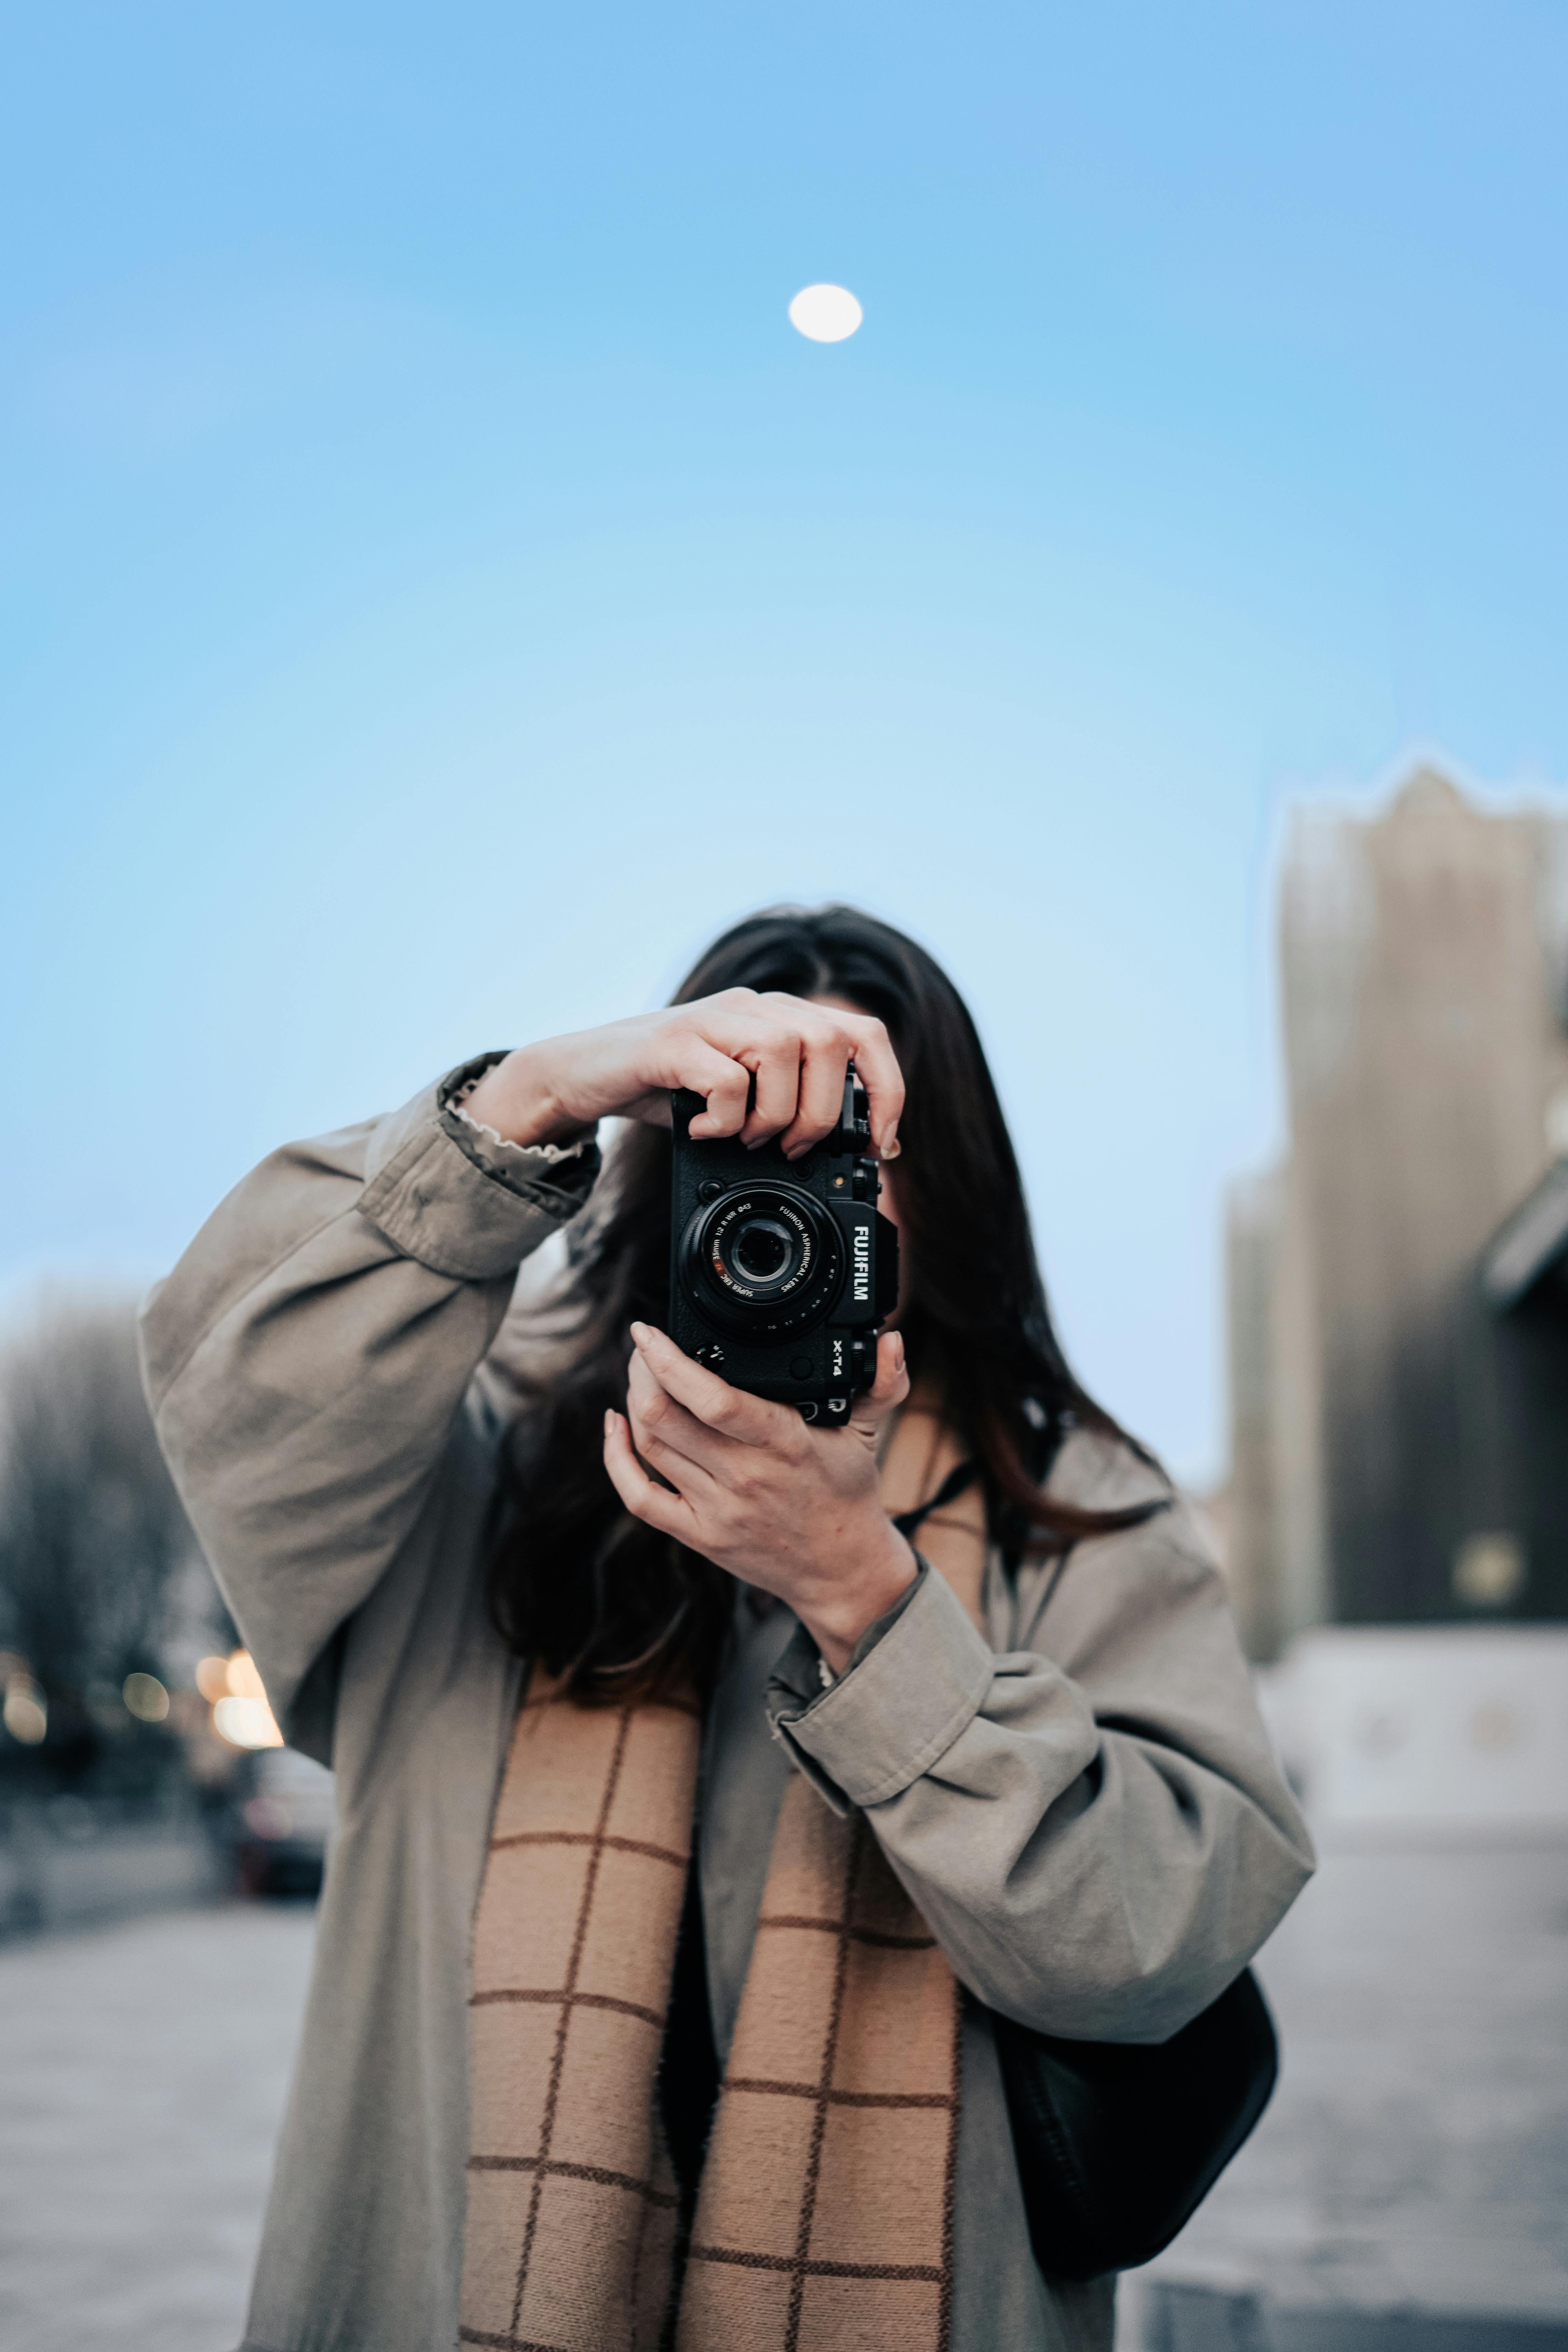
x=1118, y=2143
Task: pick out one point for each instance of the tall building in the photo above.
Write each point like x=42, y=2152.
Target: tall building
x=1394, y=1413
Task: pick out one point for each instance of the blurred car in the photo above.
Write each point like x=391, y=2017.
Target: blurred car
x=282, y=1819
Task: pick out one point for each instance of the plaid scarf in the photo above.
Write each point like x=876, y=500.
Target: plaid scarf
x=824, y=2216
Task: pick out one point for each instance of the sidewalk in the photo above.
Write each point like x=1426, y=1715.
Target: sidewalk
x=146, y=2066
x=1408, y=2188
x=1406, y=2192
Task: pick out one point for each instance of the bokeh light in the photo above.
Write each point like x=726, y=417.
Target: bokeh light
x=146, y=1698
x=826, y=314
x=212, y=1679
x=26, y=1712
x=246, y=1723
x=240, y=1713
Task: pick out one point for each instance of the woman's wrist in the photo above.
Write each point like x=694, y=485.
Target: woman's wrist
x=520, y=1099
x=849, y=1607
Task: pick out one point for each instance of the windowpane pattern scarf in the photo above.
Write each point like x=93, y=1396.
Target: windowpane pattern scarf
x=824, y=2216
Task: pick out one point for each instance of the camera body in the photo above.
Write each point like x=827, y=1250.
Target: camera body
x=781, y=1271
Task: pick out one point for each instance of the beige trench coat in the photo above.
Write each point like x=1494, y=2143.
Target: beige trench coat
x=1087, y=1811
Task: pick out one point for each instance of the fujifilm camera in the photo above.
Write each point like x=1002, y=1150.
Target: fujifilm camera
x=781, y=1271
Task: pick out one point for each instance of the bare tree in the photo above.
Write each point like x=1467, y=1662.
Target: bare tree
x=92, y=1534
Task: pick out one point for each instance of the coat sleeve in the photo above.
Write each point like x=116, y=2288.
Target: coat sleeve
x=1092, y=1822
x=308, y=1358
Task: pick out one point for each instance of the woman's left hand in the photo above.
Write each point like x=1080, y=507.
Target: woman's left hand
x=794, y=1509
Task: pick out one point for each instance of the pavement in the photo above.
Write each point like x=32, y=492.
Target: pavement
x=1408, y=2187
x=1406, y=2192
x=145, y=2071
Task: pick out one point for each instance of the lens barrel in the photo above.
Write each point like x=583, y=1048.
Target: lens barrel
x=763, y=1259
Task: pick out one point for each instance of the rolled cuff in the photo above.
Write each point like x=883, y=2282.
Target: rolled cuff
x=464, y=1208
x=896, y=1711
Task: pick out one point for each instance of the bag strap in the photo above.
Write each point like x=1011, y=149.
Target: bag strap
x=957, y=1482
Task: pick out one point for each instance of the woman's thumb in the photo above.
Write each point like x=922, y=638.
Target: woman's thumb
x=890, y=1387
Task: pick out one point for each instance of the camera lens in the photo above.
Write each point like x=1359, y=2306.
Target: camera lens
x=763, y=1259
x=761, y=1250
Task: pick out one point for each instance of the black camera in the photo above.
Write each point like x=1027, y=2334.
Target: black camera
x=781, y=1271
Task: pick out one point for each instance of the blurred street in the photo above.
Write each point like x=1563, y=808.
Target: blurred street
x=146, y=2066
x=1408, y=2187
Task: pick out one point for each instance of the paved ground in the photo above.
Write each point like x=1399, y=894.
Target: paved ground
x=1409, y=2187
x=145, y=2070
x=1414, y=2166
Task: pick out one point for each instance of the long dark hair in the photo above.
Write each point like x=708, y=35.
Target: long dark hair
x=572, y=1578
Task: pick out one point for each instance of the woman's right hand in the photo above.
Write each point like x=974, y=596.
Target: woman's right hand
x=767, y=1064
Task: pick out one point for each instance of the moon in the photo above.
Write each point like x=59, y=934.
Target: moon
x=826, y=313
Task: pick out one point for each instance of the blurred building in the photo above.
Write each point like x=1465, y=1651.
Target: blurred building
x=1398, y=1305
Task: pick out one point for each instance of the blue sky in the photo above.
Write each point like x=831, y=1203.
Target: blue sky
x=440, y=588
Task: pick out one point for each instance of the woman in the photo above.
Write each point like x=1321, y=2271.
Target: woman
x=661, y=1751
